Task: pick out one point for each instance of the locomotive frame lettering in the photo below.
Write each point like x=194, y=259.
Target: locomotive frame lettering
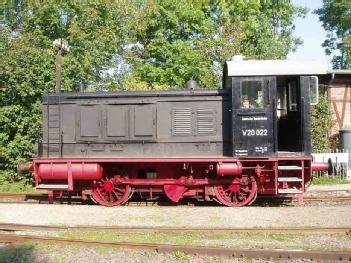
x=249, y=138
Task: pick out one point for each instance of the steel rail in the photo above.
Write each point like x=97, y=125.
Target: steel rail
x=195, y=250
x=330, y=191
x=23, y=227
x=327, y=198
x=35, y=198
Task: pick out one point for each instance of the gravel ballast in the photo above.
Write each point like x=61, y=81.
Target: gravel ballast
x=75, y=215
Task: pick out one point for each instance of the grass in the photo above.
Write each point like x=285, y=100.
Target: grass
x=20, y=253
x=217, y=239
x=60, y=259
x=325, y=180
x=185, y=238
x=179, y=255
x=17, y=187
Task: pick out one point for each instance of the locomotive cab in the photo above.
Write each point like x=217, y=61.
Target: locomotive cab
x=271, y=106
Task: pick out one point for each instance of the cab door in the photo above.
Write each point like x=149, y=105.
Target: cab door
x=254, y=116
x=308, y=96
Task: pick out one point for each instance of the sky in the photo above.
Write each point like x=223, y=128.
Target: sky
x=310, y=30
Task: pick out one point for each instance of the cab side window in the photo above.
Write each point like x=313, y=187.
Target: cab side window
x=252, y=94
x=292, y=94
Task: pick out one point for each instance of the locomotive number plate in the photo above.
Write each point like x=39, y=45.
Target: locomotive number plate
x=254, y=132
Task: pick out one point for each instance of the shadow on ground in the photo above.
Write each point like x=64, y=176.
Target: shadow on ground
x=162, y=200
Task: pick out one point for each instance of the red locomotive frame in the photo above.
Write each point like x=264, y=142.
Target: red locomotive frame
x=229, y=181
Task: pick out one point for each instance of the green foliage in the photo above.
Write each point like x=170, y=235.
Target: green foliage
x=182, y=40
x=336, y=18
x=25, y=72
x=94, y=30
x=321, y=122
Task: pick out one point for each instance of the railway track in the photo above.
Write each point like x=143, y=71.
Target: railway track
x=43, y=198
x=24, y=227
x=9, y=237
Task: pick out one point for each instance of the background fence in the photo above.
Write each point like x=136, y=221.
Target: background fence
x=340, y=159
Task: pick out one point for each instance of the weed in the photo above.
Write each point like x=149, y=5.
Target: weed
x=180, y=255
x=60, y=259
x=17, y=254
x=329, y=180
x=185, y=238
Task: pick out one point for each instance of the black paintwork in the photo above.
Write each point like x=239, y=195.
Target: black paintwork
x=182, y=123
x=254, y=129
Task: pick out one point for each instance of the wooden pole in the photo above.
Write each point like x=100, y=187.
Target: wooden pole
x=58, y=68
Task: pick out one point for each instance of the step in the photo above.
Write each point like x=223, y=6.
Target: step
x=289, y=191
x=53, y=186
x=289, y=167
x=289, y=179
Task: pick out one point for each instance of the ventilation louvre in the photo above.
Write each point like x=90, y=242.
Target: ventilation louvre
x=182, y=121
x=205, y=121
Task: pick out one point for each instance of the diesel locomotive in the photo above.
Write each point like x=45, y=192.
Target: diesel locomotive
x=251, y=137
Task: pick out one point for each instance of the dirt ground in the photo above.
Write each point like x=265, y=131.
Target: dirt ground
x=73, y=215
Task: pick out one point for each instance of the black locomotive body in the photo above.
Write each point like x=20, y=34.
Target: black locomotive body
x=137, y=124
x=250, y=137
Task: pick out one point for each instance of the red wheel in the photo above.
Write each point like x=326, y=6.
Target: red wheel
x=243, y=191
x=108, y=193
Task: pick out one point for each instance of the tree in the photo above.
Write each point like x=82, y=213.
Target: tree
x=182, y=40
x=95, y=31
x=336, y=18
x=159, y=44
x=321, y=123
x=25, y=72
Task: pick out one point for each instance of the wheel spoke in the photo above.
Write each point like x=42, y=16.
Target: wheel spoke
x=117, y=196
x=235, y=198
x=101, y=195
x=120, y=190
x=246, y=190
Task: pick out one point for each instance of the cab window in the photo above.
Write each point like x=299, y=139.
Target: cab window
x=313, y=89
x=292, y=89
x=252, y=94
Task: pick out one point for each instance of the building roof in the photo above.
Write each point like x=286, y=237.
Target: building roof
x=340, y=71
x=239, y=67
